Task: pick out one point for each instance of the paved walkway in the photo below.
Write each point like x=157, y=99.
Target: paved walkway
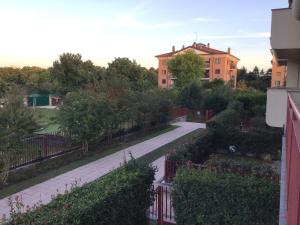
x=43, y=192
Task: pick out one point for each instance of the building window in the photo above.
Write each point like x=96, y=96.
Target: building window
x=217, y=71
x=164, y=72
x=278, y=74
x=277, y=83
x=218, y=61
x=164, y=81
x=164, y=62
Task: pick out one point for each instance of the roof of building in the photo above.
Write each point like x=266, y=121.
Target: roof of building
x=201, y=47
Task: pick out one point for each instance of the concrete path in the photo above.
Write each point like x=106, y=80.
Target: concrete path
x=160, y=165
x=44, y=192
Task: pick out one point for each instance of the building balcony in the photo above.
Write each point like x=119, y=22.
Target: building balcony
x=285, y=34
x=276, y=107
x=277, y=102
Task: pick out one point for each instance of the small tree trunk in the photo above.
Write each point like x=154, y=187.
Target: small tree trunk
x=85, y=146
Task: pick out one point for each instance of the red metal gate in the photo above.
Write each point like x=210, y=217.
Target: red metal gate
x=162, y=209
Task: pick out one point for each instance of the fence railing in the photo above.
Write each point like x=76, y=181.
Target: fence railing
x=40, y=147
x=171, y=166
x=44, y=146
x=162, y=209
x=293, y=162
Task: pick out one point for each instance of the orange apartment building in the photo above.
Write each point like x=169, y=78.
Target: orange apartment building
x=218, y=64
x=278, y=74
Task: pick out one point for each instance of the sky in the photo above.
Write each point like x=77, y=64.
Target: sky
x=36, y=32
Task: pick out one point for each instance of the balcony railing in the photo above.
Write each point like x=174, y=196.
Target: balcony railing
x=293, y=158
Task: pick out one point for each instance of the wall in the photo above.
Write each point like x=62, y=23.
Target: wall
x=278, y=74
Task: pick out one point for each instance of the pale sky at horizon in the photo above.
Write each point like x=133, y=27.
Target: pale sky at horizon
x=35, y=32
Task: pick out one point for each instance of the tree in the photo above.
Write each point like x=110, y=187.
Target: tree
x=87, y=116
x=186, y=68
x=70, y=72
x=214, y=83
x=217, y=99
x=4, y=87
x=191, y=96
x=16, y=123
x=130, y=70
x=256, y=70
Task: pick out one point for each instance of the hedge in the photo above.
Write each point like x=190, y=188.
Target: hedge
x=120, y=198
x=207, y=198
x=242, y=166
x=257, y=141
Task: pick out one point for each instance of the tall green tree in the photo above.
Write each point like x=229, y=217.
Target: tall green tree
x=87, y=116
x=186, y=68
x=139, y=78
x=191, y=96
x=70, y=72
x=16, y=123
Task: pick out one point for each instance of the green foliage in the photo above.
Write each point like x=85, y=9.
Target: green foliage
x=254, y=79
x=70, y=72
x=213, y=84
x=150, y=107
x=87, y=116
x=186, y=68
x=19, y=76
x=256, y=140
x=4, y=87
x=191, y=96
x=242, y=166
x=16, y=123
x=139, y=78
x=217, y=98
x=121, y=198
x=249, y=103
x=206, y=198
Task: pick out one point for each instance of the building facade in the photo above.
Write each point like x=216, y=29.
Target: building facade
x=283, y=107
x=278, y=74
x=218, y=64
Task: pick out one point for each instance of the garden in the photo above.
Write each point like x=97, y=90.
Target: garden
x=227, y=174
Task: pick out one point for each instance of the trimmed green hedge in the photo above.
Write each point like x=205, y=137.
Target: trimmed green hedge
x=120, y=198
x=206, y=198
x=257, y=141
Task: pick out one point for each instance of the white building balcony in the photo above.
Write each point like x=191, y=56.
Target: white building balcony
x=285, y=35
x=276, y=110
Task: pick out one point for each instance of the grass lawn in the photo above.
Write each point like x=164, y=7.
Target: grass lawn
x=48, y=169
x=46, y=119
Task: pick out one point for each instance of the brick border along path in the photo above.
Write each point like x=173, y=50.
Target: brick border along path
x=44, y=191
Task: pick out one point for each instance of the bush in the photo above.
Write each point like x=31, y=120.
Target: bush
x=120, y=198
x=202, y=197
x=243, y=166
x=257, y=141
x=217, y=98
x=196, y=151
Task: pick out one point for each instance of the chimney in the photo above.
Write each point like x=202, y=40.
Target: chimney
x=228, y=50
x=208, y=45
x=183, y=47
x=173, y=48
x=194, y=44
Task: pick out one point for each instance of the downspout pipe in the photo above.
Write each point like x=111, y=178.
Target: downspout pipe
x=296, y=9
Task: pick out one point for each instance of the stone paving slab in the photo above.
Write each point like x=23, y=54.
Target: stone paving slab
x=94, y=170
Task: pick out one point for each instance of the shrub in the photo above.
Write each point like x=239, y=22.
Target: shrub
x=217, y=98
x=242, y=166
x=202, y=197
x=120, y=198
x=257, y=141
